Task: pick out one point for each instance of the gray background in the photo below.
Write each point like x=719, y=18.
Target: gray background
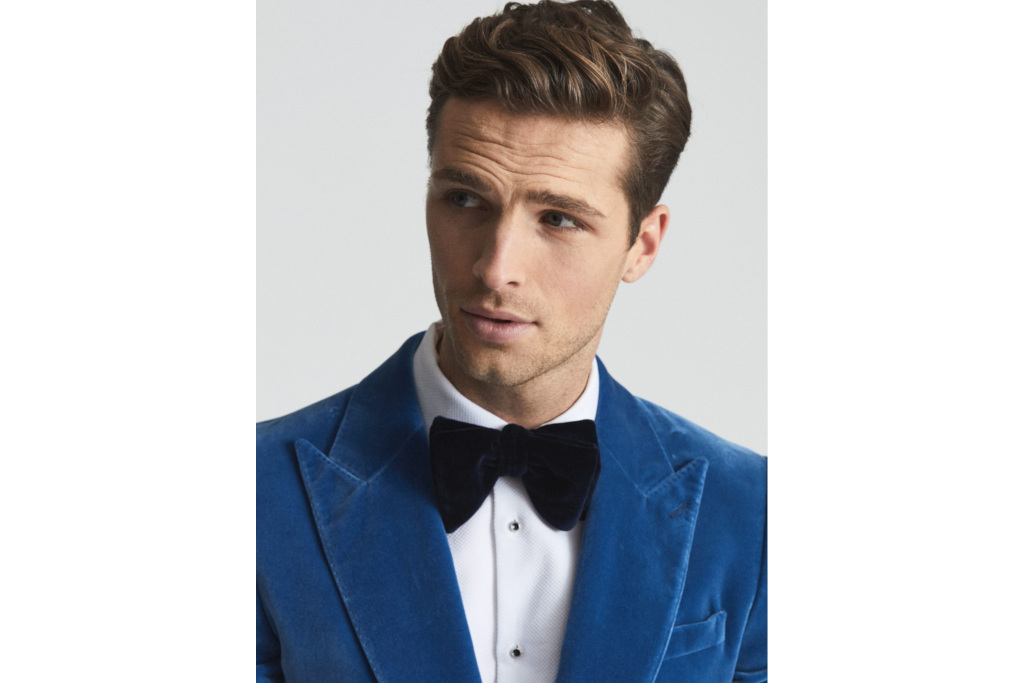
x=343, y=274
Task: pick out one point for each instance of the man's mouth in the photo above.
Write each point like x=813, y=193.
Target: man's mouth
x=496, y=316
x=495, y=327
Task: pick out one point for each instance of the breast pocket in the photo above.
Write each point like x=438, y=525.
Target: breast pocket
x=687, y=638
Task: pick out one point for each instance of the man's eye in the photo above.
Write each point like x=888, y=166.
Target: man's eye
x=463, y=200
x=560, y=220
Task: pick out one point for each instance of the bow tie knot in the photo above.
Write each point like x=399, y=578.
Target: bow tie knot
x=511, y=451
x=558, y=464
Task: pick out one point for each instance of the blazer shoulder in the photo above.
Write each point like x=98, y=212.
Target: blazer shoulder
x=733, y=508
x=317, y=423
x=683, y=440
x=388, y=390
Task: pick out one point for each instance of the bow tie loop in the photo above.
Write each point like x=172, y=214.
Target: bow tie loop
x=511, y=451
x=559, y=465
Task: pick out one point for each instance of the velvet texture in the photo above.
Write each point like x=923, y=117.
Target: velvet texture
x=355, y=581
x=559, y=465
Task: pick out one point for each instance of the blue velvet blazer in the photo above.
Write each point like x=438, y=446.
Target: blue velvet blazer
x=355, y=581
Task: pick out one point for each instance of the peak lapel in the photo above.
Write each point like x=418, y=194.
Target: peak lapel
x=376, y=515
x=635, y=549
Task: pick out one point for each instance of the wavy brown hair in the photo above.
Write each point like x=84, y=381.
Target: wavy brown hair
x=578, y=60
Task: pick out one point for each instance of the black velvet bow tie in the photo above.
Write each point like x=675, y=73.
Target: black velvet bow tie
x=559, y=465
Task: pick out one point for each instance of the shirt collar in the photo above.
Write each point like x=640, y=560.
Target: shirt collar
x=439, y=397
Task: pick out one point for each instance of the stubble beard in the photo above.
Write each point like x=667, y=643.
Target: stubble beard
x=504, y=367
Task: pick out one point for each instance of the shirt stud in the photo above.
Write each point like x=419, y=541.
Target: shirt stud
x=516, y=652
x=513, y=526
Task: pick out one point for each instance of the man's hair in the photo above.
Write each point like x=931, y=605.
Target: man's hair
x=578, y=60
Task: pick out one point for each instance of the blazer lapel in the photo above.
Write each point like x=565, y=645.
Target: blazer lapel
x=376, y=514
x=635, y=548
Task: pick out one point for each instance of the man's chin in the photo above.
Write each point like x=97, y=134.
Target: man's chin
x=485, y=368
x=499, y=365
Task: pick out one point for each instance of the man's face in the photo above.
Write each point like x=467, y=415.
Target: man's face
x=528, y=231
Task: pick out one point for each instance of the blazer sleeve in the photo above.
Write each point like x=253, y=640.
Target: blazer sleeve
x=268, y=649
x=752, y=664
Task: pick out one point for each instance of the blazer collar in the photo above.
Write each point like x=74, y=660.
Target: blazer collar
x=387, y=549
x=635, y=548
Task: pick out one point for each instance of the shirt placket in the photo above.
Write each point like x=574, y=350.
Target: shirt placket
x=511, y=542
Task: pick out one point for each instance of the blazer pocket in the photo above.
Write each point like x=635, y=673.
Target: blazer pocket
x=687, y=638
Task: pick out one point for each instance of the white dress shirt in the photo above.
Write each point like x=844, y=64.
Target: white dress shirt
x=515, y=572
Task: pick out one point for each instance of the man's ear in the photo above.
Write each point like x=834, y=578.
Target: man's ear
x=641, y=254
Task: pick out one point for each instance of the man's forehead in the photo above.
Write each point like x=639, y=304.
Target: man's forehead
x=489, y=121
x=480, y=131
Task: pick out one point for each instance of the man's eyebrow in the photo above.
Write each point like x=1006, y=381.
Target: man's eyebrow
x=470, y=180
x=563, y=203
x=556, y=201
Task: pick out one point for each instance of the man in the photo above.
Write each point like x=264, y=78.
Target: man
x=589, y=535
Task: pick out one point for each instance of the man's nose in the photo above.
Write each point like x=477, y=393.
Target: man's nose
x=503, y=256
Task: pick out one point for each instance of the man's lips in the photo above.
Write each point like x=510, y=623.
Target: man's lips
x=495, y=327
x=497, y=316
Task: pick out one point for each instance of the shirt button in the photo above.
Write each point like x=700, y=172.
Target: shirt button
x=513, y=526
x=516, y=652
